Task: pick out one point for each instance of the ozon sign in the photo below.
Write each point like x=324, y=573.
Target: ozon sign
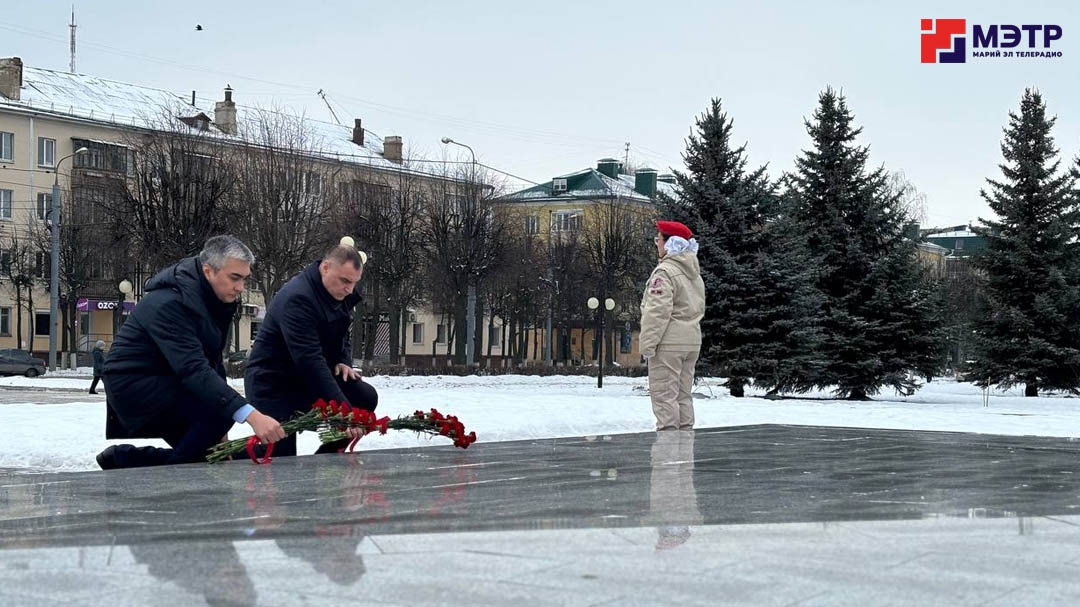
x=87, y=305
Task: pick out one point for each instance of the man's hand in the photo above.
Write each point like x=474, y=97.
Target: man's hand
x=266, y=428
x=346, y=372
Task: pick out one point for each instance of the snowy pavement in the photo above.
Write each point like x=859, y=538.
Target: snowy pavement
x=42, y=434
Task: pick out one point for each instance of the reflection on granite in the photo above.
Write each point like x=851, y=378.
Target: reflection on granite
x=757, y=515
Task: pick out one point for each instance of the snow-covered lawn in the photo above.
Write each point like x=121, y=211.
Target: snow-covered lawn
x=42, y=436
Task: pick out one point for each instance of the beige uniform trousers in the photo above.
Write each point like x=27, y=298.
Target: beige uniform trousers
x=671, y=378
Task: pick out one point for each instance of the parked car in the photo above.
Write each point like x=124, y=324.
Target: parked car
x=18, y=362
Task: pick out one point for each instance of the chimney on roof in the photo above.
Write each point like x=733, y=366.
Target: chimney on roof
x=358, y=133
x=11, y=77
x=609, y=167
x=225, y=113
x=392, y=148
x=645, y=182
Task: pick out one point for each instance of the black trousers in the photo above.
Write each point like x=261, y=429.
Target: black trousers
x=93, y=384
x=190, y=428
x=360, y=394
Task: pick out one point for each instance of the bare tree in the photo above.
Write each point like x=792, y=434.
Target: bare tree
x=281, y=199
x=21, y=266
x=567, y=279
x=616, y=243
x=385, y=214
x=514, y=288
x=464, y=238
x=85, y=240
x=178, y=186
x=911, y=199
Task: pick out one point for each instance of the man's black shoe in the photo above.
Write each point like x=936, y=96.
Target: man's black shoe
x=107, y=458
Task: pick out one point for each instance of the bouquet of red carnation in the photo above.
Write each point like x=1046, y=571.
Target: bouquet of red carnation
x=332, y=421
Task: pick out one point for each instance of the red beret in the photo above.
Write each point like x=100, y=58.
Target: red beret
x=674, y=228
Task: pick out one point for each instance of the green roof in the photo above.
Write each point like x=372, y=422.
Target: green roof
x=588, y=184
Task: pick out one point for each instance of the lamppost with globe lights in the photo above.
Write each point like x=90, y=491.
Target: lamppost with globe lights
x=126, y=288
x=609, y=305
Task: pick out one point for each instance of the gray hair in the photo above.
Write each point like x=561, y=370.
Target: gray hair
x=220, y=249
x=100, y=344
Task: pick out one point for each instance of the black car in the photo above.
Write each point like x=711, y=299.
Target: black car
x=18, y=362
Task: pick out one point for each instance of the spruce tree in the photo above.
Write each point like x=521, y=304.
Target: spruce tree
x=752, y=329
x=1032, y=334
x=877, y=318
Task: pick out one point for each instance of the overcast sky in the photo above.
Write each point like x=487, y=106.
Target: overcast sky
x=541, y=89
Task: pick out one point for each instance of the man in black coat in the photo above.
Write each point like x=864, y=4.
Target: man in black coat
x=165, y=377
x=99, y=364
x=303, y=352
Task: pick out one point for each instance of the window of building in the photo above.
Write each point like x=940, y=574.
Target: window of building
x=5, y=204
x=46, y=152
x=95, y=267
x=418, y=333
x=312, y=183
x=495, y=336
x=532, y=224
x=7, y=147
x=440, y=334
x=5, y=321
x=959, y=244
x=625, y=338
x=41, y=322
x=566, y=221
x=44, y=205
x=42, y=264
x=254, y=330
x=5, y=262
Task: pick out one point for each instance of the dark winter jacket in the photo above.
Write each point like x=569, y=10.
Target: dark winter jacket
x=99, y=360
x=305, y=335
x=169, y=352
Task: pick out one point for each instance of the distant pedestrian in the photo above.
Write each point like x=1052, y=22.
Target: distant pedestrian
x=99, y=364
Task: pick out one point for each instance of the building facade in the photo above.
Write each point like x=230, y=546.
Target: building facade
x=47, y=116
x=568, y=207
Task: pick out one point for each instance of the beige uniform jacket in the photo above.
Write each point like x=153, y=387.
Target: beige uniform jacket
x=673, y=306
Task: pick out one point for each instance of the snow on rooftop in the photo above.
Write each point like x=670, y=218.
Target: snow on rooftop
x=956, y=234
x=116, y=103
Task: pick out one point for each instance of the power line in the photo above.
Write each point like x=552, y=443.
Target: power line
x=514, y=131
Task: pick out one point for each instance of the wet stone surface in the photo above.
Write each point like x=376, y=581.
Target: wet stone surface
x=757, y=515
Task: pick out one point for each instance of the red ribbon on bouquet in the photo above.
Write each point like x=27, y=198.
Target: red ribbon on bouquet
x=251, y=443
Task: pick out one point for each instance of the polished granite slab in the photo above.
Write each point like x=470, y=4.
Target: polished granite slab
x=757, y=515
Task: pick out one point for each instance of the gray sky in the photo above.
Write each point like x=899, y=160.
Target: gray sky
x=545, y=88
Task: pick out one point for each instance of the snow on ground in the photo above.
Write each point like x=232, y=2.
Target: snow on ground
x=42, y=436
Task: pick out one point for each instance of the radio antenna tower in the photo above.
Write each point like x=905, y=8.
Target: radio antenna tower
x=72, y=26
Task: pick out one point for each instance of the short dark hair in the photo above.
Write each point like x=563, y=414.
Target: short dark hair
x=345, y=254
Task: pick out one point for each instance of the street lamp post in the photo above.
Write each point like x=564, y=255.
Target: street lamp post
x=54, y=259
x=470, y=306
x=609, y=305
x=126, y=288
